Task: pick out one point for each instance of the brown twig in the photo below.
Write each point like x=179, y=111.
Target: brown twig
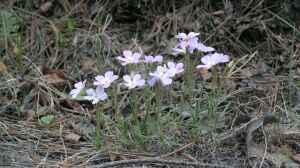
x=156, y=161
x=188, y=156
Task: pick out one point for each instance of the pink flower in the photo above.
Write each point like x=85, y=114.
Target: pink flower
x=129, y=58
x=174, y=69
x=151, y=59
x=134, y=80
x=213, y=59
x=79, y=87
x=106, y=80
x=96, y=95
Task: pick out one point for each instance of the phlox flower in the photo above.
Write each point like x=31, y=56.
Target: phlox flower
x=79, y=87
x=186, y=37
x=153, y=59
x=161, y=74
x=174, y=69
x=129, y=58
x=106, y=80
x=213, y=59
x=134, y=80
x=188, y=41
x=204, y=48
x=95, y=95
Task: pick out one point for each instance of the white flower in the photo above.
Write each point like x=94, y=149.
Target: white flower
x=174, y=69
x=96, y=95
x=79, y=86
x=106, y=80
x=129, y=58
x=161, y=74
x=184, y=36
x=190, y=42
x=204, y=48
x=133, y=81
x=213, y=59
x=151, y=59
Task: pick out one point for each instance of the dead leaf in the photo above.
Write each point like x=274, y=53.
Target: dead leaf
x=72, y=137
x=47, y=71
x=113, y=156
x=71, y=105
x=204, y=74
x=3, y=67
x=54, y=76
x=54, y=79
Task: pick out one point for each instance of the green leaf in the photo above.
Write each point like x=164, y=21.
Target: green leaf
x=46, y=120
x=9, y=23
x=71, y=25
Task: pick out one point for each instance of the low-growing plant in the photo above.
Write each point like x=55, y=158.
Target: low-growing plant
x=150, y=94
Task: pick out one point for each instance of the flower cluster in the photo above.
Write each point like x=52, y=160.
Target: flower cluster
x=129, y=57
x=190, y=42
x=163, y=73
x=94, y=95
x=134, y=80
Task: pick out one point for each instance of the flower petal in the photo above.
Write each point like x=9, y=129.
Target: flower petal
x=127, y=78
x=127, y=53
x=158, y=58
x=204, y=48
x=152, y=81
x=171, y=65
x=166, y=81
x=100, y=94
x=192, y=35
x=109, y=74
x=181, y=36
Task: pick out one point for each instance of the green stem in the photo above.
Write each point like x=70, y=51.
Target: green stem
x=99, y=122
x=147, y=95
x=115, y=102
x=159, y=99
x=134, y=104
x=188, y=76
x=215, y=79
